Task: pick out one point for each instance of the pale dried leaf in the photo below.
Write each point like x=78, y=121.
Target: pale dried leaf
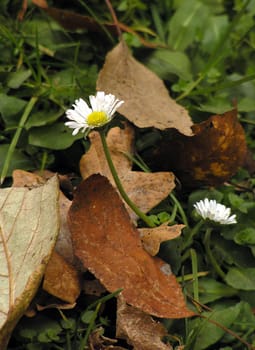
x=139, y=329
x=146, y=190
x=147, y=101
x=29, y=224
x=152, y=237
x=63, y=245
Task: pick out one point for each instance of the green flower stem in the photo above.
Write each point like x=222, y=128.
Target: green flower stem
x=181, y=211
x=194, y=263
x=215, y=265
x=188, y=239
x=16, y=136
x=118, y=183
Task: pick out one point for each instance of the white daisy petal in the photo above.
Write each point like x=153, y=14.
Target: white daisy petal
x=81, y=107
x=219, y=213
x=83, y=117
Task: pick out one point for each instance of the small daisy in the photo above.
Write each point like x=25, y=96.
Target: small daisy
x=100, y=113
x=219, y=213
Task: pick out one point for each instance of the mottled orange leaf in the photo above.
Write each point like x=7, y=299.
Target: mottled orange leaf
x=152, y=237
x=147, y=100
x=61, y=279
x=139, y=329
x=146, y=190
x=108, y=244
x=210, y=157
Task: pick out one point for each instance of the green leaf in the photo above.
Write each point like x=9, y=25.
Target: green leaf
x=237, y=202
x=198, y=195
x=56, y=136
x=231, y=253
x=217, y=105
x=42, y=118
x=246, y=104
x=211, y=290
x=18, y=161
x=87, y=316
x=215, y=28
x=29, y=224
x=16, y=79
x=11, y=108
x=165, y=62
x=184, y=24
x=245, y=236
x=241, y=278
x=207, y=332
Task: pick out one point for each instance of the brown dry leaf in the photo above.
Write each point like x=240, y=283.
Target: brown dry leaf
x=29, y=224
x=22, y=178
x=152, y=237
x=55, y=306
x=22, y=11
x=147, y=101
x=210, y=157
x=146, y=190
x=61, y=279
x=40, y=3
x=139, y=329
x=107, y=243
x=98, y=341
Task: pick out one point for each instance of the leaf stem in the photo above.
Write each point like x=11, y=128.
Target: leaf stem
x=16, y=136
x=118, y=183
x=213, y=261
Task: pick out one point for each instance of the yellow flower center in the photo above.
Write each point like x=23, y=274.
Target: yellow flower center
x=97, y=118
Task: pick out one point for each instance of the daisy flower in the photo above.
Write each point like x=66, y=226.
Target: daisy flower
x=219, y=213
x=83, y=117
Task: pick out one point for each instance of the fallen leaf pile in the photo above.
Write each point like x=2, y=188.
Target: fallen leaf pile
x=97, y=228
